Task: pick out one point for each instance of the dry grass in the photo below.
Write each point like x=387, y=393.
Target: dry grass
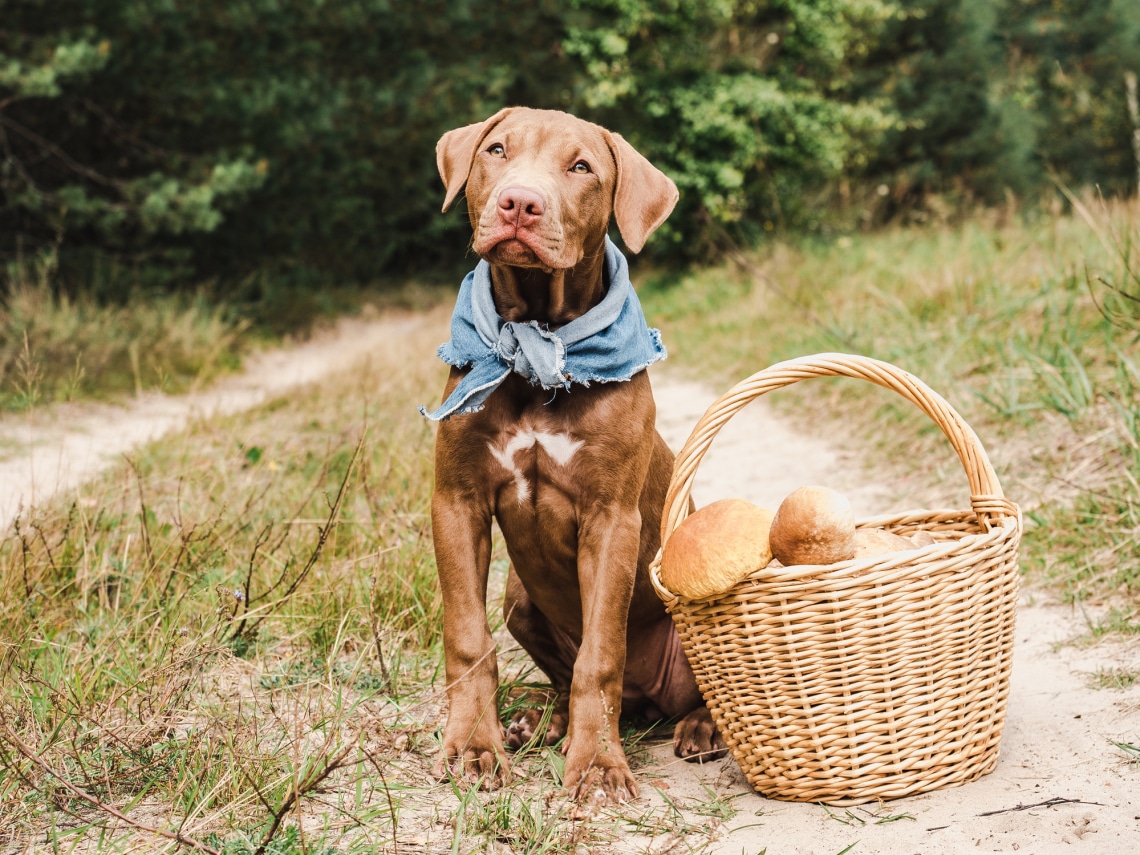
x=177, y=626
x=231, y=644
x=1031, y=331
x=55, y=348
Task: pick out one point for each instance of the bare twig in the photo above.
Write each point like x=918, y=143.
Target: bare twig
x=13, y=161
x=387, y=792
x=148, y=549
x=385, y=676
x=243, y=603
x=58, y=153
x=47, y=546
x=128, y=136
x=326, y=531
x=1053, y=802
x=24, y=550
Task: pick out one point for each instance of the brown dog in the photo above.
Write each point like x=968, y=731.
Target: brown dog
x=575, y=477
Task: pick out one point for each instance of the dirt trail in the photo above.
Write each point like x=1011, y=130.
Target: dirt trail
x=1059, y=733
x=57, y=448
x=759, y=455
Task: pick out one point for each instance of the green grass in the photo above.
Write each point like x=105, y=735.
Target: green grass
x=208, y=627
x=233, y=638
x=1113, y=678
x=1131, y=752
x=860, y=816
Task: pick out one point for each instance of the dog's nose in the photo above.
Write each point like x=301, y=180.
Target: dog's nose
x=521, y=206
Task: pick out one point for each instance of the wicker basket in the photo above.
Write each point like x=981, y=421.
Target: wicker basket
x=867, y=679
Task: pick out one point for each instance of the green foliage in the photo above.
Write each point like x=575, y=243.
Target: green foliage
x=306, y=129
x=744, y=104
x=1070, y=57
x=288, y=842
x=77, y=60
x=936, y=65
x=277, y=147
x=994, y=98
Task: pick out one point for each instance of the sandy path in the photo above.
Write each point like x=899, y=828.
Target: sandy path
x=56, y=448
x=1059, y=734
x=758, y=455
x=1056, y=746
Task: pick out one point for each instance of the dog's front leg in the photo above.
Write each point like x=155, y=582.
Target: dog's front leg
x=472, y=738
x=596, y=767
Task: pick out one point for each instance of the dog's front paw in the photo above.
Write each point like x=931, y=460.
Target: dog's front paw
x=696, y=738
x=473, y=764
x=528, y=724
x=601, y=777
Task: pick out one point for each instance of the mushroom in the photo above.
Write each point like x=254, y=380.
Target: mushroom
x=716, y=547
x=813, y=525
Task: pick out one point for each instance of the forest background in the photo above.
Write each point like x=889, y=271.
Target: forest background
x=261, y=151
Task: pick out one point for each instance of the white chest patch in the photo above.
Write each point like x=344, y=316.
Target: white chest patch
x=559, y=446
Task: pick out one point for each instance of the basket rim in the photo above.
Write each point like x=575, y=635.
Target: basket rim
x=854, y=568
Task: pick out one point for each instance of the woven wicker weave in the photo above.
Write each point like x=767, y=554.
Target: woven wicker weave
x=867, y=679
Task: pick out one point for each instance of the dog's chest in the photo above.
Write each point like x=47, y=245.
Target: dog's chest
x=526, y=460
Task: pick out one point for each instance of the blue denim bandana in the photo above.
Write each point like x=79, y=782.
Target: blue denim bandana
x=611, y=342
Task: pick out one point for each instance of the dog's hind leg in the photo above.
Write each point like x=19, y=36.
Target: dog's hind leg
x=552, y=653
x=657, y=667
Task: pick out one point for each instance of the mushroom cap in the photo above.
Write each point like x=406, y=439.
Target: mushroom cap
x=877, y=541
x=922, y=538
x=715, y=547
x=813, y=525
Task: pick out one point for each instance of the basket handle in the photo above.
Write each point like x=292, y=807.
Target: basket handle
x=986, y=497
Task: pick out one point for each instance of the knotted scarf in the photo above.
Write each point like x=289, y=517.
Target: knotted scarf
x=610, y=342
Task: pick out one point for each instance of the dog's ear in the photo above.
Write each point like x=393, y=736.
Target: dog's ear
x=643, y=197
x=456, y=150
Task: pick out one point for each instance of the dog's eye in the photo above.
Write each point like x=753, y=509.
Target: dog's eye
x=581, y=167
x=497, y=151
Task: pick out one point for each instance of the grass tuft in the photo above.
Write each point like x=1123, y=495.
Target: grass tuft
x=1113, y=678
x=57, y=348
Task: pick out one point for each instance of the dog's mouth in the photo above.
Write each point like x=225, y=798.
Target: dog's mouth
x=513, y=248
x=514, y=251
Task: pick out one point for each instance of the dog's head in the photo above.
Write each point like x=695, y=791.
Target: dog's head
x=542, y=186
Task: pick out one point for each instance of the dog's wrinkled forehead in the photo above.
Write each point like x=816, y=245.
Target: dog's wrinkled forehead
x=555, y=139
